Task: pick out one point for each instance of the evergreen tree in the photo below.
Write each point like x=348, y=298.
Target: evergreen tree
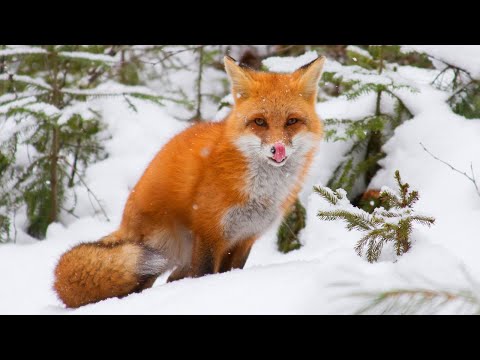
x=392, y=223
x=369, y=133
x=159, y=64
x=50, y=133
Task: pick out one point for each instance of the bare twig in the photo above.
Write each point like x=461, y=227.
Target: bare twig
x=440, y=74
x=276, y=51
x=471, y=178
x=451, y=66
x=70, y=211
x=169, y=54
x=460, y=90
x=90, y=192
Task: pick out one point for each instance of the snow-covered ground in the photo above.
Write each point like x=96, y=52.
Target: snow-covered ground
x=321, y=277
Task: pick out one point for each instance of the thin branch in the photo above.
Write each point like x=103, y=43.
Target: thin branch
x=463, y=88
x=451, y=66
x=70, y=211
x=88, y=190
x=440, y=74
x=75, y=162
x=170, y=54
x=290, y=229
x=276, y=51
x=471, y=178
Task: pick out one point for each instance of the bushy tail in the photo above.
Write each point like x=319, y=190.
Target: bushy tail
x=91, y=272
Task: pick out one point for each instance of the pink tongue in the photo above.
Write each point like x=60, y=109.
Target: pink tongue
x=279, y=155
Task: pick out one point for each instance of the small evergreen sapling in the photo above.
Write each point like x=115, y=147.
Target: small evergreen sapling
x=393, y=222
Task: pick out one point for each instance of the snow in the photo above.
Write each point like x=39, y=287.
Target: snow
x=30, y=104
x=289, y=64
x=22, y=50
x=20, y=95
x=47, y=109
x=88, y=56
x=16, y=103
x=82, y=109
x=463, y=56
x=359, y=51
x=324, y=276
x=25, y=79
x=111, y=89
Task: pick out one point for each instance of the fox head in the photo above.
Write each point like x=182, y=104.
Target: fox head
x=274, y=115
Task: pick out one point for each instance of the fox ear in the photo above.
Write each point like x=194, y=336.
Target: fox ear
x=308, y=77
x=239, y=77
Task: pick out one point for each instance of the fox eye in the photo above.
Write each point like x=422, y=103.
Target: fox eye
x=292, y=121
x=260, y=122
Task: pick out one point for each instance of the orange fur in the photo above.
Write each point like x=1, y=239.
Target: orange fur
x=174, y=214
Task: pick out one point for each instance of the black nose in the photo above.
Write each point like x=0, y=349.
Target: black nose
x=272, y=150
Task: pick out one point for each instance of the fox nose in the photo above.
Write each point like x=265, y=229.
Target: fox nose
x=278, y=151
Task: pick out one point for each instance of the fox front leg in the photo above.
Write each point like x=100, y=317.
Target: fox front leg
x=179, y=273
x=206, y=257
x=236, y=257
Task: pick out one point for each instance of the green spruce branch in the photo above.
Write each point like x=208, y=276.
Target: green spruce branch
x=419, y=301
x=370, y=133
x=44, y=95
x=391, y=223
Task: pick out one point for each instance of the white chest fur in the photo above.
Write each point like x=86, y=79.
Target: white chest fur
x=267, y=187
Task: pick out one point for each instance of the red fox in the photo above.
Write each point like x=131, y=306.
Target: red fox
x=209, y=193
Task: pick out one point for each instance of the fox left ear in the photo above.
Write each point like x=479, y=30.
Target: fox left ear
x=309, y=75
x=239, y=77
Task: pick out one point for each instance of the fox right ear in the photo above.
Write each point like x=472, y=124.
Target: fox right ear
x=309, y=75
x=239, y=77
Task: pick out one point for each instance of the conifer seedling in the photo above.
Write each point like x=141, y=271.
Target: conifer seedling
x=393, y=222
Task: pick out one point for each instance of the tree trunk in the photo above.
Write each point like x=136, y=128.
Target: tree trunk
x=54, y=175
x=55, y=149
x=198, y=113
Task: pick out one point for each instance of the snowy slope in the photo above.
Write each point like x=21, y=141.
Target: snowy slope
x=323, y=275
